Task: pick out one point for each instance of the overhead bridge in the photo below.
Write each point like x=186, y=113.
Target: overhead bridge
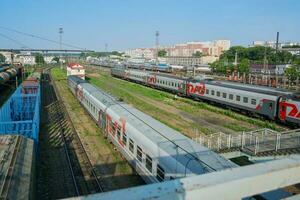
x=48, y=50
x=235, y=183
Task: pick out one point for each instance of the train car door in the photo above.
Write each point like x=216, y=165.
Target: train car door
x=282, y=109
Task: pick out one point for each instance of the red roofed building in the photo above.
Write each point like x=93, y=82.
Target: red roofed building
x=76, y=69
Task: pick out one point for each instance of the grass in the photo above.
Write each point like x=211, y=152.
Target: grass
x=187, y=105
x=60, y=77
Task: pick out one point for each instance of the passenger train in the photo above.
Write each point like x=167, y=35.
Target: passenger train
x=154, y=150
x=269, y=102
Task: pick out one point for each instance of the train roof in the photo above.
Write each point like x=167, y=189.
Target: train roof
x=172, y=141
x=234, y=85
x=251, y=88
x=169, y=140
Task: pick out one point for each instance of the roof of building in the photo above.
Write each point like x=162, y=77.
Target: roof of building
x=16, y=166
x=75, y=66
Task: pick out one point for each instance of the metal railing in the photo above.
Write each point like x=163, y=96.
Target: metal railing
x=262, y=140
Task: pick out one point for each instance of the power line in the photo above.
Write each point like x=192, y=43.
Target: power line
x=13, y=40
x=41, y=38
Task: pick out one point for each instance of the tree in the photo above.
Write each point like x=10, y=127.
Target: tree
x=39, y=59
x=162, y=53
x=2, y=58
x=292, y=73
x=56, y=59
x=197, y=54
x=244, y=66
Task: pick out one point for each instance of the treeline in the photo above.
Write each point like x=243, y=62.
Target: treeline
x=249, y=55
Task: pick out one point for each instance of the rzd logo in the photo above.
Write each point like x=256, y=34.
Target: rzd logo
x=294, y=113
x=196, y=89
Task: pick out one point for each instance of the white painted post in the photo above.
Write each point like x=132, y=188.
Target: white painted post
x=277, y=142
x=256, y=149
x=229, y=141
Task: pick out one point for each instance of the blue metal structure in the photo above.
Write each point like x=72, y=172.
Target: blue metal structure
x=21, y=112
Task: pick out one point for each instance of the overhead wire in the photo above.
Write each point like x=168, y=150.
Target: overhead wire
x=14, y=40
x=41, y=38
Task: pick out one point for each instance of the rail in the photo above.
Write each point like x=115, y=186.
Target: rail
x=79, y=145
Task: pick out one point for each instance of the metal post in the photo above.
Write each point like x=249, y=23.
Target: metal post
x=277, y=142
x=243, y=139
x=256, y=149
x=229, y=142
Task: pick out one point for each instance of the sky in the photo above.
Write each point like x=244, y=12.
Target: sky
x=124, y=24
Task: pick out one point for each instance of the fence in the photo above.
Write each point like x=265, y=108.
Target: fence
x=21, y=113
x=262, y=140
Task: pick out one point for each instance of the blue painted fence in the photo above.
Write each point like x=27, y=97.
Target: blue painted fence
x=21, y=113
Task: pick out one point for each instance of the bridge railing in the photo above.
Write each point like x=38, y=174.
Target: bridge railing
x=257, y=141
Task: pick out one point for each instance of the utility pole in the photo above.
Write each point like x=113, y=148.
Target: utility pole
x=60, y=31
x=156, y=46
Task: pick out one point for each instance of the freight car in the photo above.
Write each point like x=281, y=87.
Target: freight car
x=268, y=102
x=7, y=73
x=154, y=150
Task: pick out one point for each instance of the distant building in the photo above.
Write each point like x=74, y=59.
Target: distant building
x=190, y=61
x=188, y=49
x=8, y=56
x=76, y=69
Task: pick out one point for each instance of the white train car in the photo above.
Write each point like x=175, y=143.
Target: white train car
x=154, y=150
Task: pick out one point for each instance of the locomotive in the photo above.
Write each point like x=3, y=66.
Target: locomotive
x=154, y=150
x=271, y=103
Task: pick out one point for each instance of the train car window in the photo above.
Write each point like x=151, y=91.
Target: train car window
x=212, y=92
x=231, y=96
x=207, y=91
x=149, y=163
x=238, y=98
x=253, y=101
x=124, y=139
x=131, y=145
x=160, y=173
x=224, y=95
x=218, y=93
x=139, y=153
x=245, y=99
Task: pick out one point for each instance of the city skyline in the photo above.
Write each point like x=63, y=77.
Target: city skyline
x=132, y=24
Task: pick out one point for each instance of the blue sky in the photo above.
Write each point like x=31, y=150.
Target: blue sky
x=126, y=24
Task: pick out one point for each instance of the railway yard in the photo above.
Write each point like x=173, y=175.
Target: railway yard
x=74, y=152
x=188, y=116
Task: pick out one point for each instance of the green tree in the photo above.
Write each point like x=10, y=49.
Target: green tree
x=39, y=59
x=56, y=59
x=2, y=58
x=162, y=53
x=197, y=54
x=244, y=66
x=292, y=73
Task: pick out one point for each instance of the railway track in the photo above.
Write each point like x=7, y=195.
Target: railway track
x=79, y=176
